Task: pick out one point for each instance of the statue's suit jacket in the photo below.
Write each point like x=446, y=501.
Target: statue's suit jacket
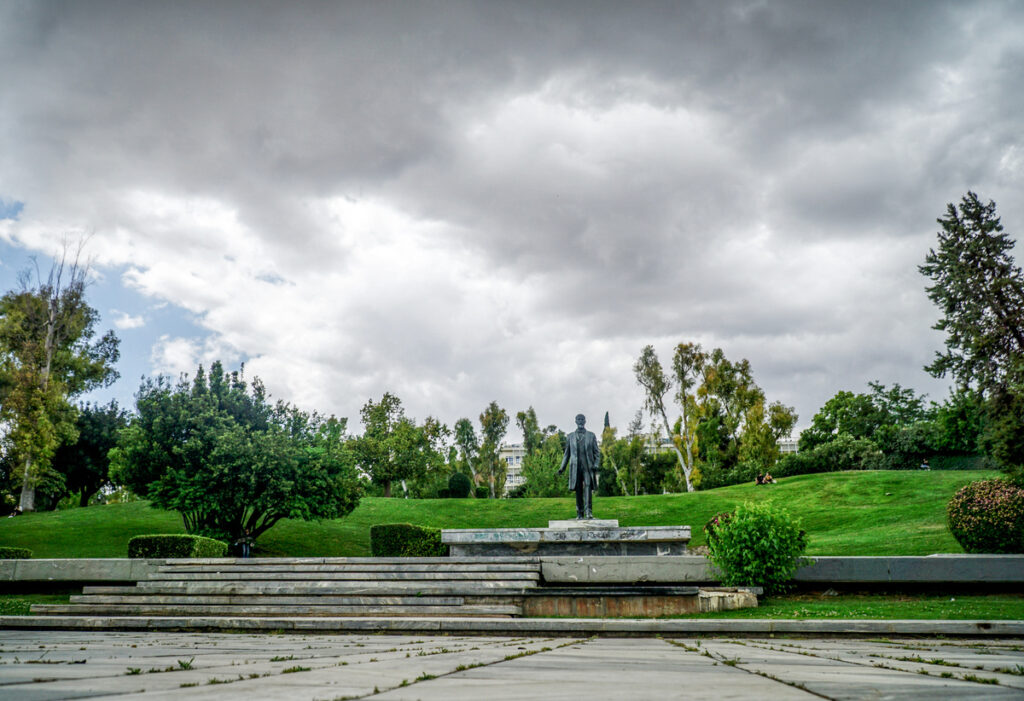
x=589, y=459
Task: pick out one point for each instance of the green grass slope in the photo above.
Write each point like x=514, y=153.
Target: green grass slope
x=845, y=513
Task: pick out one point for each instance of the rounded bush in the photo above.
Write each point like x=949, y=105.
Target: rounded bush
x=406, y=540
x=175, y=545
x=757, y=545
x=459, y=486
x=988, y=517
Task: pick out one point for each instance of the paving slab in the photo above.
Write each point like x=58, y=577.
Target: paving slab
x=617, y=627
x=496, y=668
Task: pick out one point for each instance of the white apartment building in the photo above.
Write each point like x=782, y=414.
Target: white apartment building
x=512, y=454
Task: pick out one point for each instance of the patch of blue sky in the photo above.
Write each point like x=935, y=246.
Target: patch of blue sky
x=10, y=209
x=151, y=319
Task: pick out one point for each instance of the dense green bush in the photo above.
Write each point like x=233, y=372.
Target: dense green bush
x=756, y=545
x=843, y=453
x=406, y=540
x=988, y=517
x=175, y=545
x=15, y=554
x=459, y=486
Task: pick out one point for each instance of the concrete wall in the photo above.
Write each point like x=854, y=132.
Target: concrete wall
x=78, y=570
x=931, y=569
x=689, y=569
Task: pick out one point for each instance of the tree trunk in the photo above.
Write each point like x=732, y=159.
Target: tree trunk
x=387, y=489
x=28, y=490
x=679, y=453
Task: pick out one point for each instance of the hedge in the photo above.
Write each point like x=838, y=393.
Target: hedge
x=175, y=545
x=406, y=540
x=15, y=554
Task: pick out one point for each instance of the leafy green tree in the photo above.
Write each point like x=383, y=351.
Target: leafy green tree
x=85, y=463
x=48, y=356
x=493, y=424
x=469, y=449
x=959, y=422
x=979, y=291
x=846, y=413
x=393, y=448
x=540, y=470
x=228, y=461
x=657, y=386
x=532, y=435
x=609, y=478
x=632, y=454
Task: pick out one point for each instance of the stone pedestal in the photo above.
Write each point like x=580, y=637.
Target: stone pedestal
x=593, y=537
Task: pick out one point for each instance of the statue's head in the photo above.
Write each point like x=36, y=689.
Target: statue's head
x=581, y=420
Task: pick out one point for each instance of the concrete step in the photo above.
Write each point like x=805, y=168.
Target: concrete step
x=135, y=598
x=256, y=610
x=389, y=588
x=258, y=566
x=511, y=559
x=318, y=588
x=521, y=577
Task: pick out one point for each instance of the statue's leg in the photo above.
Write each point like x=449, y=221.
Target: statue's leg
x=580, y=501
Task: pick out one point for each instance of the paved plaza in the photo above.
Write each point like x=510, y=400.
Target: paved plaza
x=42, y=665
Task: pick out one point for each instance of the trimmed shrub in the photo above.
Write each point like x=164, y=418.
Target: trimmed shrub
x=459, y=486
x=757, y=545
x=175, y=545
x=988, y=517
x=15, y=554
x=406, y=540
x=843, y=453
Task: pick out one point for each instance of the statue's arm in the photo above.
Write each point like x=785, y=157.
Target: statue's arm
x=565, y=459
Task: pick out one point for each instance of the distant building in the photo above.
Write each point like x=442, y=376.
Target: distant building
x=788, y=445
x=657, y=444
x=512, y=454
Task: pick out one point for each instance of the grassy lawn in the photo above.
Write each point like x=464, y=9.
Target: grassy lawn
x=891, y=606
x=18, y=604
x=845, y=513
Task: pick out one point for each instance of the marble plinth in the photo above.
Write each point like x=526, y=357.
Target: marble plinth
x=570, y=540
x=585, y=523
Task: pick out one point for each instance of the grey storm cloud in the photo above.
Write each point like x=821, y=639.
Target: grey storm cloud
x=462, y=201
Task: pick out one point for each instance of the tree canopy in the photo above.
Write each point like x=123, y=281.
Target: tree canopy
x=979, y=291
x=393, y=448
x=48, y=356
x=218, y=452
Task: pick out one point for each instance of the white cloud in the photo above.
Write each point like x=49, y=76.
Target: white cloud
x=514, y=199
x=123, y=320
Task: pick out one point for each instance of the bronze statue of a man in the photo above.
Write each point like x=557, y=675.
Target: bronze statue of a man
x=583, y=460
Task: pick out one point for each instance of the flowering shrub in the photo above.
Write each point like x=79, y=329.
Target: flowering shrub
x=988, y=517
x=756, y=545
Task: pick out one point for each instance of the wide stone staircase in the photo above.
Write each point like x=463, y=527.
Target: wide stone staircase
x=316, y=587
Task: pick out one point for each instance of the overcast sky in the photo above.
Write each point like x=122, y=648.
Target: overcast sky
x=465, y=202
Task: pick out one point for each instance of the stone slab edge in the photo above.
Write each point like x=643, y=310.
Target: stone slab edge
x=930, y=569
x=568, y=569
x=473, y=536
x=516, y=626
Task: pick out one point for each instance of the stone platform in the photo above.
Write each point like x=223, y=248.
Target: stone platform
x=575, y=537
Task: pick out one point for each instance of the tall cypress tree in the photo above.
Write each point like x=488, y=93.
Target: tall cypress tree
x=980, y=292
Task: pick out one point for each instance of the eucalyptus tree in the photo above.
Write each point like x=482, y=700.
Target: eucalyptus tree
x=493, y=424
x=48, y=356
